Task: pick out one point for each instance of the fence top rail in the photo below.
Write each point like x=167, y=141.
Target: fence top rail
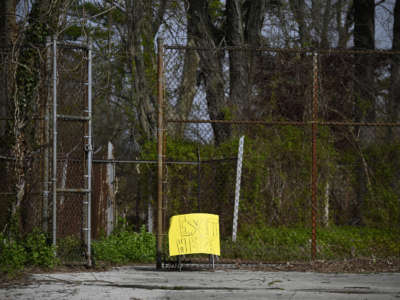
x=167, y=162
x=70, y=45
x=61, y=44
x=133, y=161
x=290, y=123
x=286, y=50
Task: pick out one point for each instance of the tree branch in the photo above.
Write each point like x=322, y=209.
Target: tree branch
x=160, y=17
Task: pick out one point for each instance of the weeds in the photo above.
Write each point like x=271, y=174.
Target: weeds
x=291, y=244
x=268, y=244
x=34, y=250
x=125, y=246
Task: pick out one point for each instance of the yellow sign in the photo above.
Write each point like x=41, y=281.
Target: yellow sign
x=194, y=233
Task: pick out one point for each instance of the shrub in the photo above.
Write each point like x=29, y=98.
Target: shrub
x=39, y=252
x=13, y=255
x=125, y=246
x=34, y=250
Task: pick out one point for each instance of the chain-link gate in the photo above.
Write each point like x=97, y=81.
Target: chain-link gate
x=72, y=148
x=46, y=144
x=64, y=197
x=321, y=140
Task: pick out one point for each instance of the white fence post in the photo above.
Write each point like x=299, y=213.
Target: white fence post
x=237, y=188
x=110, y=191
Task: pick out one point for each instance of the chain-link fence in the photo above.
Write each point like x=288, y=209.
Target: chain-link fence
x=321, y=143
x=322, y=136
x=46, y=143
x=66, y=194
x=22, y=82
x=6, y=162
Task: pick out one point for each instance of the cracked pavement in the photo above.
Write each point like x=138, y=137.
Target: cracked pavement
x=144, y=282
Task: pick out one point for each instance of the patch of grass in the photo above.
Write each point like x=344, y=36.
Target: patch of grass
x=291, y=244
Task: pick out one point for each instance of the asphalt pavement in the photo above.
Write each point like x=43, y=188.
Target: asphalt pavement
x=144, y=282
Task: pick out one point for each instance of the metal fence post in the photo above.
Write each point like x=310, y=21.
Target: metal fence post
x=160, y=140
x=198, y=179
x=54, y=140
x=314, y=158
x=89, y=153
x=164, y=172
x=45, y=208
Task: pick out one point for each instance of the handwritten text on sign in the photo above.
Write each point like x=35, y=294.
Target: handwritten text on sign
x=194, y=233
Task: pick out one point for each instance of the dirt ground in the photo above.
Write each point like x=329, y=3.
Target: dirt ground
x=357, y=265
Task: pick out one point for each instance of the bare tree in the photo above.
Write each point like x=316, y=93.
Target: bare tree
x=298, y=8
x=364, y=104
x=394, y=105
x=7, y=22
x=143, y=26
x=7, y=36
x=344, y=21
x=242, y=25
x=245, y=20
x=187, y=90
x=207, y=35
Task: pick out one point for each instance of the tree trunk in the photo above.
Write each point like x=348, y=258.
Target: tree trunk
x=364, y=24
x=316, y=24
x=207, y=36
x=244, y=23
x=7, y=34
x=343, y=25
x=298, y=9
x=394, y=100
x=364, y=38
x=142, y=28
x=28, y=101
x=7, y=22
x=394, y=105
x=327, y=16
x=238, y=68
x=187, y=87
